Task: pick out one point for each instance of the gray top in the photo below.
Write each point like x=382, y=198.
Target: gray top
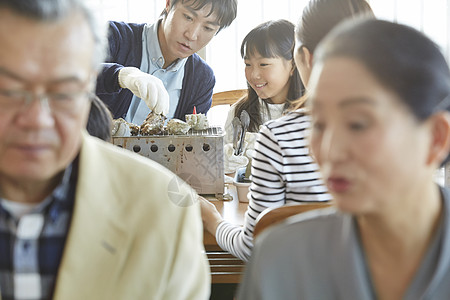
x=318, y=255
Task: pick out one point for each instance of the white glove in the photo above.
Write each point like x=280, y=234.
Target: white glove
x=231, y=161
x=249, y=144
x=227, y=179
x=147, y=87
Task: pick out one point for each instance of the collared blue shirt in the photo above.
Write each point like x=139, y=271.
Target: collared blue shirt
x=152, y=63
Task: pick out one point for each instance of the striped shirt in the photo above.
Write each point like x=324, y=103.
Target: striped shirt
x=282, y=172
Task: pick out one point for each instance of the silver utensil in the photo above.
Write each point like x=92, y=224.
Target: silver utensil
x=245, y=121
x=237, y=128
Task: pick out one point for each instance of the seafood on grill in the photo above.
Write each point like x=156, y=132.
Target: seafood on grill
x=175, y=126
x=153, y=124
x=120, y=127
x=197, y=121
x=134, y=129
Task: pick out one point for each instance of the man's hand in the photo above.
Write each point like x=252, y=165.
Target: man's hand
x=147, y=87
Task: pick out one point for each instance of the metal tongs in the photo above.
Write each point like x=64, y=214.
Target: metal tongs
x=239, y=129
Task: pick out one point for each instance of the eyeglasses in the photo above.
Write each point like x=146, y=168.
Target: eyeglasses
x=16, y=100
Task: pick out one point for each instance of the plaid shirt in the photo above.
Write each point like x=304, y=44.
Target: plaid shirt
x=31, y=247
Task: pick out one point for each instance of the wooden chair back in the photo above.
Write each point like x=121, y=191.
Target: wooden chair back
x=225, y=268
x=272, y=216
x=228, y=97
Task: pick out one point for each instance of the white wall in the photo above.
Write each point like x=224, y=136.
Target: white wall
x=222, y=54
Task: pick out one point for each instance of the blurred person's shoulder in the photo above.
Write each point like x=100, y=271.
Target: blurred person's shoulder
x=308, y=232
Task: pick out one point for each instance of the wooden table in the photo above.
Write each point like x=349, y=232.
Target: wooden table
x=225, y=268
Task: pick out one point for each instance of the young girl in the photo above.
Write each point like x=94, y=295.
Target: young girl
x=272, y=78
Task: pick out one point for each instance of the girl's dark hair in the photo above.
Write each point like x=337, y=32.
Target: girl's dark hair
x=226, y=10
x=270, y=39
x=320, y=16
x=401, y=58
x=100, y=119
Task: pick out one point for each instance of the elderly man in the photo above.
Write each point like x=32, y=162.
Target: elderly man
x=80, y=218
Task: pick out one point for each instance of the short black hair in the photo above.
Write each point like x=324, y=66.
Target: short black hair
x=226, y=10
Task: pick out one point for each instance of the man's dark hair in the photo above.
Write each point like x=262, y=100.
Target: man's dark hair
x=225, y=10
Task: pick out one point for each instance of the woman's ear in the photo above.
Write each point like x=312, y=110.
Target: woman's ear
x=307, y=57
x=440, y=143
x=167, y=6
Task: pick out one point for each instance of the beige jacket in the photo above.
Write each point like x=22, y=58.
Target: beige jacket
x=128, y=240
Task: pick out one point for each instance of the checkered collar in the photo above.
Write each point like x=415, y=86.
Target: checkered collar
x=52, y=203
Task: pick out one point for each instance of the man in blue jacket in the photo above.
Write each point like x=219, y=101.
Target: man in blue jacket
x=158, y=62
